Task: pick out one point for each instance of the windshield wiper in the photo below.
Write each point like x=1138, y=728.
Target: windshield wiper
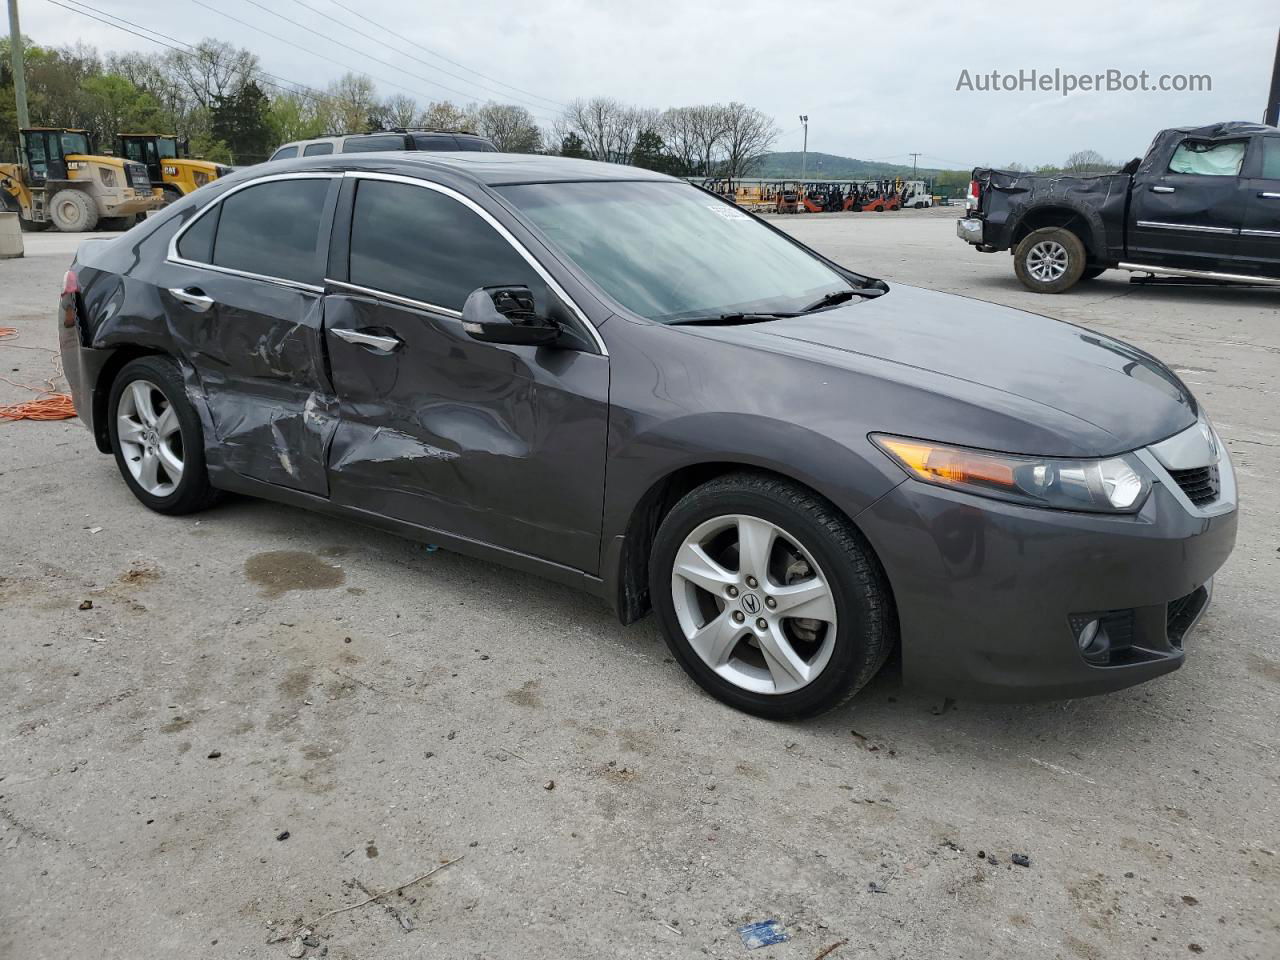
x=840, y=296
x=730, y=318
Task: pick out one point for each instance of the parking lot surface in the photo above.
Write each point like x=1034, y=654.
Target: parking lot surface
x=266, y=716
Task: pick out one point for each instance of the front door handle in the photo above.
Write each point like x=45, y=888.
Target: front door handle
x=1268, y=195
x=1162, y=189
x=388, y=344
x=193, y=297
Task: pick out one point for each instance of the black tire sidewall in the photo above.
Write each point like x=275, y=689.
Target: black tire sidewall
x=1076, y=259
x=83, y=201
x=193, y=490
x=844, y=668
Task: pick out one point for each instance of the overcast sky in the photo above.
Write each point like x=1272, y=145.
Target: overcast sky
x=876, y=85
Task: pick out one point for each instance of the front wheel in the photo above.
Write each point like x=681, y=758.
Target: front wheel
x=156, y=437
x=73, y=211
x=769, y=598
x=1049, y=260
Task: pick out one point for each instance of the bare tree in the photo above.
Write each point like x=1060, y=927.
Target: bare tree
x=748, y=136
x=400, y=110
x=350, y=101
x=710, y=128
x=678, y=129
x=1088, y=161
x=213, y=69
x=511, y=128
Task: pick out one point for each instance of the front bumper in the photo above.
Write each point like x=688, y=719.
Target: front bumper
x=969, y=229
x=992, y=597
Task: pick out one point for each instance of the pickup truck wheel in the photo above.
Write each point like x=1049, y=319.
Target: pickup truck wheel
x=1092, y=273
x=1049, y=260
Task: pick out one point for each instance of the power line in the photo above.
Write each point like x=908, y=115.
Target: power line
x=441, y=56
x=425, y=63
x=346, y=46
x=293, y=86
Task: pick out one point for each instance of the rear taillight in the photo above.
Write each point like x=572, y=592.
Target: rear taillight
x=70, y=283
x=975, y=189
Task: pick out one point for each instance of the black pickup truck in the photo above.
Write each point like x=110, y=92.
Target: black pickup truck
x=1203, y=203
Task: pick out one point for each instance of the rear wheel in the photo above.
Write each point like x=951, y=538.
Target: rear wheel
x=769, y=597
x=1049, y=260
x=73, y=211
x=157, y=439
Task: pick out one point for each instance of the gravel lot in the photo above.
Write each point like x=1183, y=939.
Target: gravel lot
x=255, y=670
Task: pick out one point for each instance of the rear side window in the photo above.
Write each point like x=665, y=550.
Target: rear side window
x=272, y=229
x=1208, y=159
x=391, y=141
x=285, y=153
x=420, y=244
x=476, y=143
x=1271, y=158
x=434, y=141
x=317, y=149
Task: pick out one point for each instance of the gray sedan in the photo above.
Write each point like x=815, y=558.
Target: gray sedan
x=611, y=378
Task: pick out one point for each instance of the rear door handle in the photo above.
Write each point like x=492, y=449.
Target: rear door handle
x=389, y=344
x=1162, y=189
x=1268, y=195
x=193, y=297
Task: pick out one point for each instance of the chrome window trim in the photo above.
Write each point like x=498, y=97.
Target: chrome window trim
x=1161, y=225
x=1260, y=233
x=395, y=298
x=172, y=256
x=502, y=231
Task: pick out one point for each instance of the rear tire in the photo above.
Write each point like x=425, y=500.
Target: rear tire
x=1049, y=260
x=732, y=635
x=157, y=439
x=73, y=211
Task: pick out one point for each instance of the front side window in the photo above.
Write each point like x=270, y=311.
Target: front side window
x=391, y=141
x=271, y=229
x=1208, y=159
x=668, y=251
x=421, y=244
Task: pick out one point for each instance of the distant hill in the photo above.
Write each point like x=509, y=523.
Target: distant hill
x=830, y=166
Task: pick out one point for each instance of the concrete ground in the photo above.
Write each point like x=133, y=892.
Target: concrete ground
x=256, y=670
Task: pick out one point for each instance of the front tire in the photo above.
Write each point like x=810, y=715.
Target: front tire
x=1049, y=260
x=73, y=211
x=157, y=439
x=769, y=597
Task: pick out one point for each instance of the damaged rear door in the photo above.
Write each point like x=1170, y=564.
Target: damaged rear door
x=246, y=305
x=500, y=444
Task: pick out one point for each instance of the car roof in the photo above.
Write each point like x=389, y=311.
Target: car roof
x=490, y=169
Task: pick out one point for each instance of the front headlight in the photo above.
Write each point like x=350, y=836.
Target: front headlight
x=108, y=177
x=1112, y=485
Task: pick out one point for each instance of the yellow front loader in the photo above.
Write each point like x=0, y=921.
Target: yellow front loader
x=59, y=181
x=167, y=159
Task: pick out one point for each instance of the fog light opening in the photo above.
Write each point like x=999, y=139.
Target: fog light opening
x=1093, y=642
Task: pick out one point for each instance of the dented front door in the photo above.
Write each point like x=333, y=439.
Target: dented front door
x=500, y=444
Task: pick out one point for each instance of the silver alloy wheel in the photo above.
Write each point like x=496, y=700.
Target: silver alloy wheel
x=754, y=631
x=150, y=437
x=1047, y=261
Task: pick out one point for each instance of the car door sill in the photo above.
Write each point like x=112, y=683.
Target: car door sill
x=1201, y=274
x=526, y=563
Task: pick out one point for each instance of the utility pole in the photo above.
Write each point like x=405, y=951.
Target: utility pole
x=804, y=151
x=15, y=58
x=913, y=165
x=1272, y=116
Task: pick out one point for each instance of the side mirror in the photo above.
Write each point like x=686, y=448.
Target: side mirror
x=507, y=315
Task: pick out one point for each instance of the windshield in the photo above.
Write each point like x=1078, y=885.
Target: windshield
x=74, y=143
x=168, y=147
x=669, y=251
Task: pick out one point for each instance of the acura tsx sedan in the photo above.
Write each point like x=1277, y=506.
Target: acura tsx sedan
x=616, y=380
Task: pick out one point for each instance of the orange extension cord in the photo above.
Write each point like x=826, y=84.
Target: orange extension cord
x=49, y=404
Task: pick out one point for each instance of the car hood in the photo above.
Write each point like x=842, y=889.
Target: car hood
x=1106, y=383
